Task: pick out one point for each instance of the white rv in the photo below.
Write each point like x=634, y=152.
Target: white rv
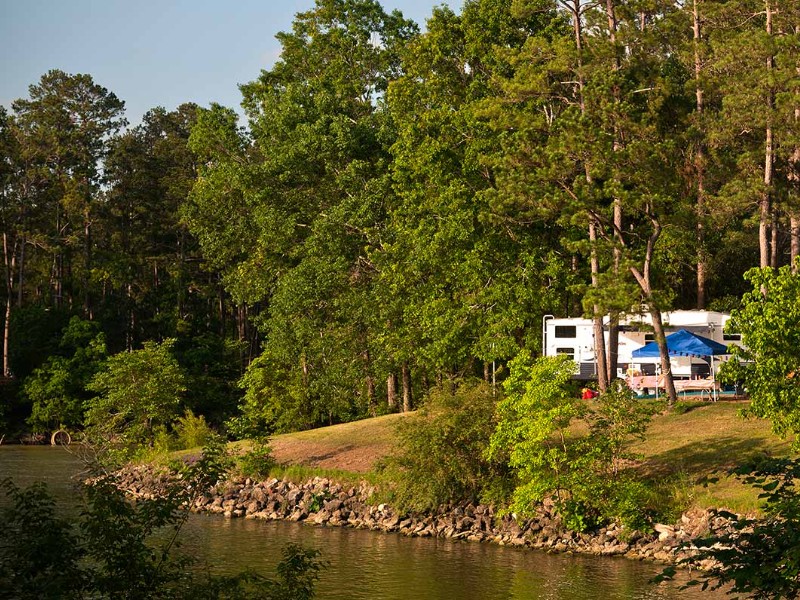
x=575, y=338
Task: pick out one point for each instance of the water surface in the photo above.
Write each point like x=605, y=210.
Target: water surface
x=379, y=566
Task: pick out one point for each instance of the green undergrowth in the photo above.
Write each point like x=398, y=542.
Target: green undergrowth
x=685, y=456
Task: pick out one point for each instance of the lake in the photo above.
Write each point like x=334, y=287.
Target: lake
x=374, y=565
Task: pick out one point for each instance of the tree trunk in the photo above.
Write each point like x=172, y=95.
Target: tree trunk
x=613, y=323
x=87, y=267
x=9, y=257
x=773, y=257
x=765, y=208
x=666, y=364
x=794, y=224
x=643, y=279
x=597, y=317
x=407, y=394
x=129, y=341
x=391, y=391
x=180, y=276
x=699, y=165
x=21, y=273
x=370, y=384
x=6, y=339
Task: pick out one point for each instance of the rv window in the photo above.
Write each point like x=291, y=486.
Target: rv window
x=649, y=337
x=732, y=337
x=568, y=351
x=566, y=331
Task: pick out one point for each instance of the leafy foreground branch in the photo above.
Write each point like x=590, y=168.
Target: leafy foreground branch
x=113, y=550
x=756, y=556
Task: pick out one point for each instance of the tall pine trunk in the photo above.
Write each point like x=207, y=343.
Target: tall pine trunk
x=699, y=163
x=9, y=257
x=764, y=205
x=597, y=315
x=613, y=322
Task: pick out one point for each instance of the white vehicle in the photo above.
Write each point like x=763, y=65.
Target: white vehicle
x=575, y=338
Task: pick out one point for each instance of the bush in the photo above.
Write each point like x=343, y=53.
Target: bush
x=257, y=462
x=441, y=451
x=117, y=549
x=57, y=389
x=757, y=556
x=138, y=392
x=192, y=431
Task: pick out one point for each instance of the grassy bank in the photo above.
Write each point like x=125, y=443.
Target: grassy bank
x=705, y=441
x=699, y=443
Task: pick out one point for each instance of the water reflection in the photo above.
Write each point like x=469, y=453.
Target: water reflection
x=379, y=566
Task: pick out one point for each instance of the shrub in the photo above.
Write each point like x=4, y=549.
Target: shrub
x=756, y=556
x=192, y=431
x=117, y=549
x=442, y=450
x=257, y=462
x=137, y=392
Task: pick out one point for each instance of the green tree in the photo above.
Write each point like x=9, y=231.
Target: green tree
x=589, y=146
x=769, y=364
x=561, y=447
x=138, y=392
x=57, y=389
x=149, y=260
x=457, y=283
x=65, y=126
x=289, y=209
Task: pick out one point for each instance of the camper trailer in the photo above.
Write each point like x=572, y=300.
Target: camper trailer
x=575, y=337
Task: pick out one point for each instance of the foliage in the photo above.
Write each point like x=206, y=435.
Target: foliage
x=769, y=321
x=192, y=431
x=565, y=448
x=38, y=556
x=760, y=557
x=404, y=202
x=256, y=462
x=118, y=548
x=38, y=332
x=213, y=365
x=138, y=391
x=57, y=389
x=289, y=208
x=441, y=450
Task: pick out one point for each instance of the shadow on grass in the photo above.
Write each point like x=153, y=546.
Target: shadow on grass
x=318, y=458
x=704, y=457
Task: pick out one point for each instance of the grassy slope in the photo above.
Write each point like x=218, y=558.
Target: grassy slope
x=348, y=448
x=695, y=444
x=704, y=441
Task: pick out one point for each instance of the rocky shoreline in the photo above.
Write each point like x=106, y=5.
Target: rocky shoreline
x=323, y=502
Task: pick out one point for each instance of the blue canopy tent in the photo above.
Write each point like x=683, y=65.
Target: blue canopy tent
x=685, y=343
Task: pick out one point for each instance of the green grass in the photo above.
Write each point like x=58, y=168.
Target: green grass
x=682, y=449
x=706, y=441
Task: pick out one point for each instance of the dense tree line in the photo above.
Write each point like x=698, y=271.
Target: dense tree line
x=401, y=208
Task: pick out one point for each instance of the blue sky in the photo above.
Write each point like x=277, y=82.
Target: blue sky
x=153, y=52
